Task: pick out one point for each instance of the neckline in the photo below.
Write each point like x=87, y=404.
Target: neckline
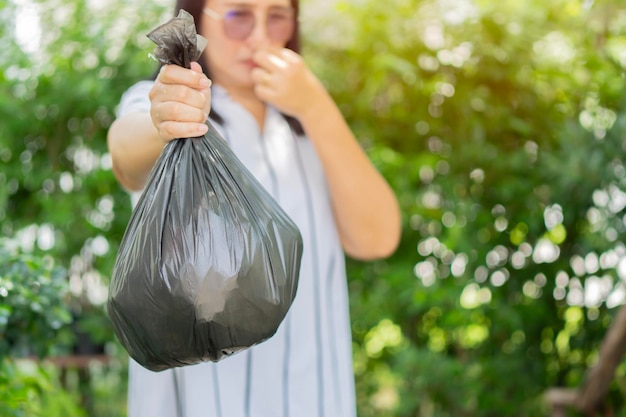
x=219, y=93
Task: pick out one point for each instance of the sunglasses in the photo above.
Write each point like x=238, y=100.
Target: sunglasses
x=239, y=23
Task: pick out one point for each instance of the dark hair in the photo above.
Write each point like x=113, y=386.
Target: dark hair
x=194, y=7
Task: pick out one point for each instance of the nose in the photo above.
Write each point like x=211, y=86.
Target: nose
x=259, y=36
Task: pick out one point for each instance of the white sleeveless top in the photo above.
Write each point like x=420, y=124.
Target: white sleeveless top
x=305, y=369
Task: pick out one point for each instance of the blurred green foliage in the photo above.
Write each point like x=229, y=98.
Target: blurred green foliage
x=28, y=390
x=34, y=322
x=33, y=312
x=500, y=125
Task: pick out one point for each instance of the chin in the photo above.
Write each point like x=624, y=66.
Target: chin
x=243, y=78
x=246, y=82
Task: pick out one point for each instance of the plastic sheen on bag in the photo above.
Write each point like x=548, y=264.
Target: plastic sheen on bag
x=209, y=263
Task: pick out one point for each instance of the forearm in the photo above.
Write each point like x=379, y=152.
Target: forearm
x=365, y=207
x=134, y=145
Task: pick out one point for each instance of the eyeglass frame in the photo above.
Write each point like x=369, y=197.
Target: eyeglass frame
x=217, y=16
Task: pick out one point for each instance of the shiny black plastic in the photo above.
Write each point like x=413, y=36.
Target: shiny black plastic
x=209, y=263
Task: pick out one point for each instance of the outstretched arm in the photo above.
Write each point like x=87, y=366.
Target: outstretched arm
x=180, y=103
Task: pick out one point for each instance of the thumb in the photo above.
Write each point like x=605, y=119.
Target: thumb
x=203, y=80
x=196, y=67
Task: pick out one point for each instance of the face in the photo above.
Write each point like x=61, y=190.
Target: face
x=236, y=29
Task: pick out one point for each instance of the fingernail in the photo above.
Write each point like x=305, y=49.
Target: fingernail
x=202, y=129
x=205, y=82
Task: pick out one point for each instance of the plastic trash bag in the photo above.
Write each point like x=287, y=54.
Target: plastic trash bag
x=209, y=263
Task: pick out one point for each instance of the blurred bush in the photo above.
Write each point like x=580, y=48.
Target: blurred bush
x=33, y=305
x=34, y=323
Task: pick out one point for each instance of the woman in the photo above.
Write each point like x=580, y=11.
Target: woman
x=284, y=126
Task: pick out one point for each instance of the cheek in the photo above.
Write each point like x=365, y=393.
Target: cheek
x=278, y=44
x=217, y=51
x=219, y=55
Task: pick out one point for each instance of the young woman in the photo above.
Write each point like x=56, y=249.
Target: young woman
x=281, y=122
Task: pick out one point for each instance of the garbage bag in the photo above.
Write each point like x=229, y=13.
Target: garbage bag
x=209, y=262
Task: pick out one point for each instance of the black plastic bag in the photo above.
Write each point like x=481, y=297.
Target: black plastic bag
x=209, y=263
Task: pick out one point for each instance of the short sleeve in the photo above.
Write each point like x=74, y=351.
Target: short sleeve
x=136, y=99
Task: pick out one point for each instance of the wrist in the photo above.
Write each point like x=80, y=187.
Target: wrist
x=316, y=108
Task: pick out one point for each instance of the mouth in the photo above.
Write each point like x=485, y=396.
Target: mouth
x=250, y=63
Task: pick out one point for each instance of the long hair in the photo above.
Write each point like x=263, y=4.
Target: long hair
x=194, y=7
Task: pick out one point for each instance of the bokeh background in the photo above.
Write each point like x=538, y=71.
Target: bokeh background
x=501, y=125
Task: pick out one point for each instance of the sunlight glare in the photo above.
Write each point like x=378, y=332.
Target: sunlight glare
x=27, y=26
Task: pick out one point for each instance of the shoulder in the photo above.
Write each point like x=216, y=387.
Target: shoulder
x=140, y=87
x=135, y=99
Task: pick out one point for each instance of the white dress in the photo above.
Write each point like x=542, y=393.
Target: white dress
x=305, y=369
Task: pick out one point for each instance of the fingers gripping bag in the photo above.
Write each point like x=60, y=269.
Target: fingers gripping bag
x=209, y=263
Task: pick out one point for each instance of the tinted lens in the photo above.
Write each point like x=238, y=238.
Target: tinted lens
x=238, y=24
x=280, y=25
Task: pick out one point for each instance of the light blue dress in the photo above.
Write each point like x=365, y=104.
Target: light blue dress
x=305, y=369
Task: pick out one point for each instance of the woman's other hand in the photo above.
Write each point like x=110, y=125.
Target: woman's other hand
x=181, y=102
x=284, y=80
